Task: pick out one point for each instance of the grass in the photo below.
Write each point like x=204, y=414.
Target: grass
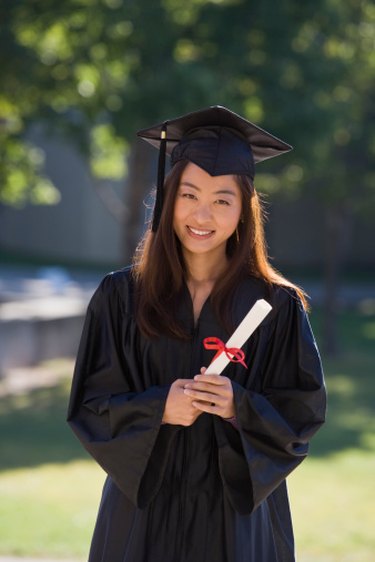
x=332, y=493
x=50, y=489
x=333, y=502
x=49, y=510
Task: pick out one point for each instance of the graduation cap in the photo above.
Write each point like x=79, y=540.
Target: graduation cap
x=216, y=139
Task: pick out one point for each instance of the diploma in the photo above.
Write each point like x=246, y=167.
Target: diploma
x=242, y=333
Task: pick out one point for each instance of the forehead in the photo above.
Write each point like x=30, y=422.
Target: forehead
x=199, y=179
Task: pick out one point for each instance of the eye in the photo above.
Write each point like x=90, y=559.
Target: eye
x=187, y=195
x=222, y=202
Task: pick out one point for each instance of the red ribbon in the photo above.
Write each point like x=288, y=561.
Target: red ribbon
x=234, y=354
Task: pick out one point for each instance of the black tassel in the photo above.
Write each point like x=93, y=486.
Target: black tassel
x=161, y=174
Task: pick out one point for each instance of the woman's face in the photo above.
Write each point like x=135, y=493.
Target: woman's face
x=206, y=212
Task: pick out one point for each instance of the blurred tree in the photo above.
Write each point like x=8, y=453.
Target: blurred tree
x=91, y=71
x=307, y=71
x=96, y=70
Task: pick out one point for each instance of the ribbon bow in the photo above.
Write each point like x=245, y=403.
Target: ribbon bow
x=234, y=354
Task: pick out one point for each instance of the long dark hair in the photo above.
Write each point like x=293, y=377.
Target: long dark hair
x=159, y=269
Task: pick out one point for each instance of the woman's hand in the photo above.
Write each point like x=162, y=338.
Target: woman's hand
x=212, y=394
x=179, y=409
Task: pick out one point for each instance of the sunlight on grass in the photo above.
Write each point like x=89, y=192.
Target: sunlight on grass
x=49, y=509
x=332, y=504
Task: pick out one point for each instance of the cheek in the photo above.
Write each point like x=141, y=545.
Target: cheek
x=234, y=217
x=180, y=211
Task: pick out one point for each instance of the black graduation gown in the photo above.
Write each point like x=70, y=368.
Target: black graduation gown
x=208, y=492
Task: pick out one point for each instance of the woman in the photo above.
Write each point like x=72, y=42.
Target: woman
x=197, y=463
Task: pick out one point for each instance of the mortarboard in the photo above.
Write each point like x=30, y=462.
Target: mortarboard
x=216, y=139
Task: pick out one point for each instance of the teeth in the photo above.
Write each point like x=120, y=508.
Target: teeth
x=200, y=232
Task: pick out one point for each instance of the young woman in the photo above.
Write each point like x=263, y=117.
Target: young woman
x=197, y=463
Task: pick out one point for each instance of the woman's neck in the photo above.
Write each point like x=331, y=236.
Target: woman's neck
x=203, y=270
x=201, y=274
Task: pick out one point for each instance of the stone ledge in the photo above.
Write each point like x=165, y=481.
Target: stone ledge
x=37, y=330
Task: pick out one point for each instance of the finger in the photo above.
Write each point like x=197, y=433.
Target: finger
x=209, y=385
x=210, y=388
x=204, y=396
x=182, y=382
x=203, y=370
x=209, y=408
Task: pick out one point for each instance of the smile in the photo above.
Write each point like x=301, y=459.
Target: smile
x=199, y=233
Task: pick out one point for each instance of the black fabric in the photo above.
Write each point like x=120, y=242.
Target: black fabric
x=160, y=183
x=218, y=151
x=263, y=145
x=208, y=491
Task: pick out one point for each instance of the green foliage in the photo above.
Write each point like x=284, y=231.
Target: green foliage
x=21, y=175
x=302, y=70
x=107, y=153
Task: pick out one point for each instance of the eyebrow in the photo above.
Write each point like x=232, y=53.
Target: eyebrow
x=226, y=191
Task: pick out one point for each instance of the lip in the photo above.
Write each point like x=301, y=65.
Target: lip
x=194, y=233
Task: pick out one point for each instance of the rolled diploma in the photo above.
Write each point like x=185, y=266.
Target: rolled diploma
x=249, y=324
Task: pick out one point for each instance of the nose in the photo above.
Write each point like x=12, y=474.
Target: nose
x=202, y=213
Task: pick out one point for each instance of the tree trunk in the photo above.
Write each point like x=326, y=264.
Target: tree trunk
x=337, y=229
x=139, y=184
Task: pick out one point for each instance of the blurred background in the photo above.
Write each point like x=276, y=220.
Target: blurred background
x=78, y=79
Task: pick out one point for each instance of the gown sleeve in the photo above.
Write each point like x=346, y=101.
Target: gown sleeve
x=274, y=424
x=115, y=417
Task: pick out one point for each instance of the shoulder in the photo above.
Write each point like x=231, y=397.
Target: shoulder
x=120, y=280
x=284, y=296
x=115, y=289
x=283, y=299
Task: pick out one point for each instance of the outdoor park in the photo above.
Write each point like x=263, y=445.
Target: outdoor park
x=90, y=73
